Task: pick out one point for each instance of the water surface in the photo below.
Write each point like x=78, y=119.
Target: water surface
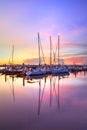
x=46, y=103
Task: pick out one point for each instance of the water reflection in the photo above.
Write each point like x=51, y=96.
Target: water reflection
x=54, y=86
x=13, y=91
x=11, y=85
x=76, y=74
x=40, y=97
x=51, y=102
x=53, y=90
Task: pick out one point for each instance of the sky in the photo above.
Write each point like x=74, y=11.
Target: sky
x=21, y=20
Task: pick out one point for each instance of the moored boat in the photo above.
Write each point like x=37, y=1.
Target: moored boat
x=37, y=72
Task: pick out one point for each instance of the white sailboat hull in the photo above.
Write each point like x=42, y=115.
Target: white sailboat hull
x=35, y=72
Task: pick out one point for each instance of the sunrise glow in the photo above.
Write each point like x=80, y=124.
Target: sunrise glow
x=21, y=20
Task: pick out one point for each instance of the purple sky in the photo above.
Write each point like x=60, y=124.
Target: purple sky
x=20, y=20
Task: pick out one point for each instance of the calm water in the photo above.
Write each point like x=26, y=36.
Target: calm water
x=50, y=103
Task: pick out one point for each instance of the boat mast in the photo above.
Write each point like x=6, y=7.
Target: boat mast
x=12, y=54
x=58, y=50
x=50, y=51
x=39, y=49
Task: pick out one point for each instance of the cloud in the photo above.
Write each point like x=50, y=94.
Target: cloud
x=31, y=61
x=80, y=45
x=80, y=30
x=74, y=33
x=76, y=60
x=73, y=50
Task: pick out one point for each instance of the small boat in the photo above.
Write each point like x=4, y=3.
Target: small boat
x=36, y=72
x=61, y=70
x=2, y=70
x=11, y=70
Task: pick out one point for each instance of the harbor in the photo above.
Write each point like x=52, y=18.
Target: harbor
x=22, y=69
x=42, y=69
x=43, y=64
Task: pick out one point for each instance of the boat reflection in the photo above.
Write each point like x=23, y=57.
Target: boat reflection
x=45, y=85
x=41, y=94
x=53, y=81
x=11, y=84
x=54, y=91
x=13, y=91
x=34, y=79
x=52, y=102
x=76, y=74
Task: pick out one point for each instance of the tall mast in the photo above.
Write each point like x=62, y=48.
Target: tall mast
x=58, y=50
x=12, y=54
x=39, y=49
x=50, y=51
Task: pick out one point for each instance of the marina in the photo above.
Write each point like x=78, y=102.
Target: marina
x=22, y=69
x=41, y=69
x=43, y=65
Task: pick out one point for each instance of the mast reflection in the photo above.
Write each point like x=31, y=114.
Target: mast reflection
x=13, y=92
x=11, y=85
x=58, y=93
x=54, y=89
x=40, y=97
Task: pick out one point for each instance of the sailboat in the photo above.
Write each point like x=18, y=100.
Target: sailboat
x=60, y=69
x=38, y=71
x=11, y=69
